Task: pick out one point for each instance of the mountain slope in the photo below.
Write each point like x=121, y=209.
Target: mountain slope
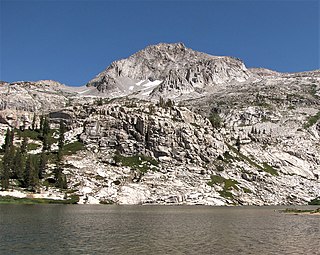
x=228, y=135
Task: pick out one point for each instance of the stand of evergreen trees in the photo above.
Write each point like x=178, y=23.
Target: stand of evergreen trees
x=28, y=169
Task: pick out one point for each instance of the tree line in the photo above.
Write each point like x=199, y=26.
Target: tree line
x=27, y=170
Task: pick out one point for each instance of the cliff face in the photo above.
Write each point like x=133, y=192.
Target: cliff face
x=227, y=135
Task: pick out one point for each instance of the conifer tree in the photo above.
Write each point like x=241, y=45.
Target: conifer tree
x=42, y=164
x=8, y=159
x=20, y=160
x=30, y=174
x=238, y=143
x=61, y=140
x=41, y=124
x=26, y=174
x=33, y=126
x=45, y=130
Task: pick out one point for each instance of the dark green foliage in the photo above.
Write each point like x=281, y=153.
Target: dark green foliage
x=228, y=185
x=312, y=120
x=294, y=210
x=24, y=145
x=8, y=140
x=169, y=103
x=216, y=179
x=72, y=148
x=215, y=120
x=14, y=200
x=60, y=178
x=61, y=140
x=238, y=143
x=41, y=124
x=265, y=168
x=46, y=126
x=269, y=169
x=32, y=146
x=227, y=156
x=7, y=169
x=315, y=201
x=31, y=177
x=165, y=104
x=44, y=133
x=32, y=134
x=42, y=165
x=99, y=102
x=246, y=190
x=33, y=125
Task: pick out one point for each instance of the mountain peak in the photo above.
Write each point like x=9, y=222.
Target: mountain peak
x=179, y=71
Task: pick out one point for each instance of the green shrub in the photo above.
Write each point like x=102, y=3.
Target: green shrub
x=315, y=201
x=215, y=120
x=246, y=190
x=312, y=120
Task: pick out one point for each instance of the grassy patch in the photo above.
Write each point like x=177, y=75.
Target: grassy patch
x=72, y=148
x=246, y=190
x=293, y=210
x=16, y=200
x=33, y=146
x=32, y=134
x=141, y=163
x=312, y=120
x=269, y=169
x=228, y=185
x=266, y=168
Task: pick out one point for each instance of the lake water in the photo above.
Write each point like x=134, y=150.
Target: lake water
x=90, y=229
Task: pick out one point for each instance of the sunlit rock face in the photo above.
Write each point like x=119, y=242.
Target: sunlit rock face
x=180, y=71
x=170, y=125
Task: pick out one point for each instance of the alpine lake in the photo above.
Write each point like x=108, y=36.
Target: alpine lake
x=151, y=229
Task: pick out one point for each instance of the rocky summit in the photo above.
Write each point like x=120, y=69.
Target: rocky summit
x=168, y=125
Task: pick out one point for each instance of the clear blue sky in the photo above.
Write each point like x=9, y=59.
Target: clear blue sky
x=72, y=41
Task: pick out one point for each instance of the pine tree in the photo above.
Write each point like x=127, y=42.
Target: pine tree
x=7, y=139
x=61, y=179
x=41, y=124
x=42, y=165
x=62, y=129
x=26, y=174
x=45, y=129
x=30, y=174
x=238, y=143
x=8, y=159
x=24, y=145
x=33, y=175
x=5, y=176
x=46, y=126
x=33, y=126
x=20, y=161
